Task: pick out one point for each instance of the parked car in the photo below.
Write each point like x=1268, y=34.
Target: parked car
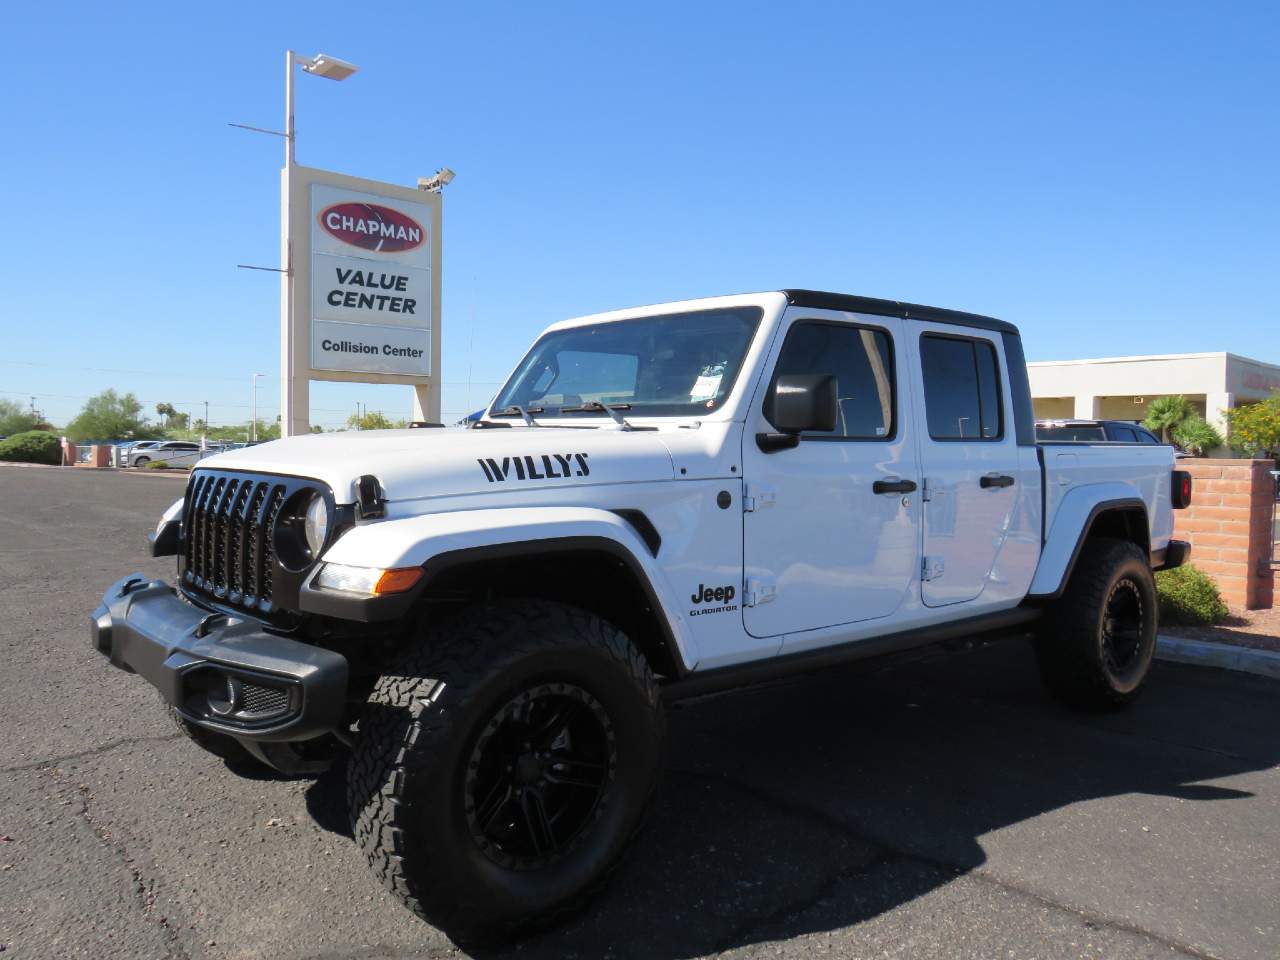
x=1101, y=431
x=1094, y=431
x=126, y=450
x=660, y=503
x=176, y=453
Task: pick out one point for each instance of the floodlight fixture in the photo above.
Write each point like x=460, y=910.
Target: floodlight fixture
x=331, y=68
x=437, y=181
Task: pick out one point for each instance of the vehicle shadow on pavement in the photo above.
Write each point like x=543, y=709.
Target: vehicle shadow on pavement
x=815, y=804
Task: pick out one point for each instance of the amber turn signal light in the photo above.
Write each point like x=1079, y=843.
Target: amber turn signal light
x=397, y=581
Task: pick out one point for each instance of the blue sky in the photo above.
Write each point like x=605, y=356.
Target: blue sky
x=1102, y=174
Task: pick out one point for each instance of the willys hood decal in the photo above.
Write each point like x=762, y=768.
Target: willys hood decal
x=440, y=463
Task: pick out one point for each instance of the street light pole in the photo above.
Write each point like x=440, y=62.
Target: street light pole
x=290, y=58
x=331, y=68
x=253, y=433
x=286, y=256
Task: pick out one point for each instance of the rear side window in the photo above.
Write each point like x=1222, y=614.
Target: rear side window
x=961, y=388
x=1145, y=436
x=861, y=360
x=1124, y=435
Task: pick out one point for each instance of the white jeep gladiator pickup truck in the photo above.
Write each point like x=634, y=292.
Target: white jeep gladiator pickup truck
x=484, y=624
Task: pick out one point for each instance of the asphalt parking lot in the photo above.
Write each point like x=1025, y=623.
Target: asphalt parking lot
x=939, y=808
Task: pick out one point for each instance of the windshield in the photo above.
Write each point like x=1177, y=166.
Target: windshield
x=676, y=365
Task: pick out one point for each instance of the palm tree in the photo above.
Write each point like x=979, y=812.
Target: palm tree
x=1165, y=413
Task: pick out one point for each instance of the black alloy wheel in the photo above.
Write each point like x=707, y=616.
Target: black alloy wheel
x=537, y=774
x=1094, y=646
x=1122, y=620
x=504, y=761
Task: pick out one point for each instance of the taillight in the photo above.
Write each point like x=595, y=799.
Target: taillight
x=1181, y=489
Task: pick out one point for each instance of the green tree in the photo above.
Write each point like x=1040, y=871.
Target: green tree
x=1196, y=435
x=1165, y=413
x=373, y=420
x=111, y=416
x=1255, y=427
x=15, y=418
x=167, y=411
x=179, y=420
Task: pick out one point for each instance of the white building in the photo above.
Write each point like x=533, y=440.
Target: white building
x=1120, y=388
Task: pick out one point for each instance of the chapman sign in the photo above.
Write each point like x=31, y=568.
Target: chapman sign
x=370, y=283
x=365, y=286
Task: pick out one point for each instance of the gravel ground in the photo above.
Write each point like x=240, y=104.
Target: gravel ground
x=1259, y=629
x=935, y=809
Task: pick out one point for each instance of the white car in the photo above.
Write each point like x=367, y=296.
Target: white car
x=176, y=453
x=661, y=502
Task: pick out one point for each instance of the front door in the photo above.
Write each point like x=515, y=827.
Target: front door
x=970, y=460
x=832, y=533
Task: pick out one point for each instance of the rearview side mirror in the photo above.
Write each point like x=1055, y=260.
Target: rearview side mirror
x=797, y=403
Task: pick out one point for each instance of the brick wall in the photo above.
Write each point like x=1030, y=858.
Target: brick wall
x=1229, y=526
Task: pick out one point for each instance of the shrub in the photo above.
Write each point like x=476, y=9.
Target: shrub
x=33, y=446
x=1196, y=435
x=1189, y=596
x=157, y=465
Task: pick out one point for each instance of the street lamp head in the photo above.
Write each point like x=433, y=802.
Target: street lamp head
x=323, y=65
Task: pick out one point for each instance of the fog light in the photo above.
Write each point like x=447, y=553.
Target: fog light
x=224, y=699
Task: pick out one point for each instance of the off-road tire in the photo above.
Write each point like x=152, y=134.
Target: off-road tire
x=1076, y=645
x=432, y=713
x=218, y=744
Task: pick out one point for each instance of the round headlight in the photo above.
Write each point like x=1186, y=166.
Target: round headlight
x=316, y=524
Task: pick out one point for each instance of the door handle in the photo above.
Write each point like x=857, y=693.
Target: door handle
x=893, y=486
x=995, y=480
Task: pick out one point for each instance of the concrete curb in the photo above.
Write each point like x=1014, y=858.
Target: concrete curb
x=123, y=471
x=135, y=472
x=1264, y=663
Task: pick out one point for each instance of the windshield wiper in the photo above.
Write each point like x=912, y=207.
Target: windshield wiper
x=515, y=410
x=595, y=406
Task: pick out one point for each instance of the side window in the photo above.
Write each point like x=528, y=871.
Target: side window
x=1125, y=435
x=1147, y=437
x=962, y=396
x=861, y=360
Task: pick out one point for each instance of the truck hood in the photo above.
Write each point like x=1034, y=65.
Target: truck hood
x=413, y=464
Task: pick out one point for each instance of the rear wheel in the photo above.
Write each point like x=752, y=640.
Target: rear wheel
x=503, y=765
x=1096, y=643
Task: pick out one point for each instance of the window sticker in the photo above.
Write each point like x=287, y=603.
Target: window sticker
x=708, y=383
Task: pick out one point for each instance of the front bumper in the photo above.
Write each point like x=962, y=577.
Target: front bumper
x=222, y=673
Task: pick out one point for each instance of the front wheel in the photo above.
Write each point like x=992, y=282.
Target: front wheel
x=503, y=764
x=142, y=461
x=1097, y=642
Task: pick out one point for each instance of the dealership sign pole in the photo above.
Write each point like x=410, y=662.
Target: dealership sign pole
x=360, y=279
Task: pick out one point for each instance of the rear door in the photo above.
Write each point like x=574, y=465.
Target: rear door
x=832, y=534
x=970, y=460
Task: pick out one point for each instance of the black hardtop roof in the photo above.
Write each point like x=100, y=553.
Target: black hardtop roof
x=820, y=300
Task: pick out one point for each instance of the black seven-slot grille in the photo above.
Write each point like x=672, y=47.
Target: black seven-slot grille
x=228, y=551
